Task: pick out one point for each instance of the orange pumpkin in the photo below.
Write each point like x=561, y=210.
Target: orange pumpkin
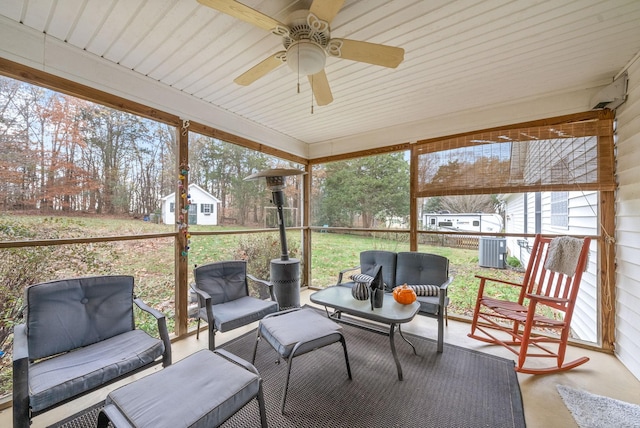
x=404, y=294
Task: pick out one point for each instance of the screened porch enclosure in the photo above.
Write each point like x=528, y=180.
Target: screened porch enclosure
x=452, y=166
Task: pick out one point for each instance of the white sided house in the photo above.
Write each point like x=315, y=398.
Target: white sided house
x=559, y=213
x=203, y=208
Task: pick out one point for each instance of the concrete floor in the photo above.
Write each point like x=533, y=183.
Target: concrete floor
x=602, y=375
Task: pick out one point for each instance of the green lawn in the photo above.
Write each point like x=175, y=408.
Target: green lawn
x=334, y=252
x=151, y=261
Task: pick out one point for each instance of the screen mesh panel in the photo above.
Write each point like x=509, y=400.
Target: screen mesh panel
x=567, y=156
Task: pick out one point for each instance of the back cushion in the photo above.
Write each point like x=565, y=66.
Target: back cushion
x=223, y=281
x=67, y=314
x=421, y=269
x=370, y=260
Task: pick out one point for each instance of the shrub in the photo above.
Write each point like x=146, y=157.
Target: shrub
x=258, y=250
x=514, y=262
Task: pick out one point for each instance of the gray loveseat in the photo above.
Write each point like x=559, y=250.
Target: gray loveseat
x=79, y=335
x=411, y=268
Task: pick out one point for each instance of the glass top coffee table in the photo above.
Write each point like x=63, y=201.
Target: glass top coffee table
x=391, y=313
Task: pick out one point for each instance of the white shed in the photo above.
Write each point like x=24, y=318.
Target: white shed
x=203, y=208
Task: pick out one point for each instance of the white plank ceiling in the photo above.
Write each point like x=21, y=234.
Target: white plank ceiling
x=460, y=55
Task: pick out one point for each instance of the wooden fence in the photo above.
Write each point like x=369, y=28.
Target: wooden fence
x=452, y=241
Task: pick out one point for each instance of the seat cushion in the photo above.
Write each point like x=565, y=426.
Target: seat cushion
x=421, y=268
x=202, y=390
x=372, y=259
x=283, y=332
x=430, y=304
x=56, y=379
x=239, y=312
x=88, y=310
x=223, y=281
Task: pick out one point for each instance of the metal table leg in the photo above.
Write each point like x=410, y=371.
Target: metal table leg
x=392, y=329
x=406, y=340
x=336, y=315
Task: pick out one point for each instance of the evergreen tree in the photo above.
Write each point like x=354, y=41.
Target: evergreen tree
x=370, y=188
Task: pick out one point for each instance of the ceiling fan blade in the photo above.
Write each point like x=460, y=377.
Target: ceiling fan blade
x=320, y=87
x=326, y=10
x=245, y=13
x=371, y=53
x=261, y=69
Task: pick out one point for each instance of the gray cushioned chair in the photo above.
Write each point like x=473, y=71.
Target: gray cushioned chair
x=415, y=268
x=79, y=335
x=411, y=268
x=223, y=297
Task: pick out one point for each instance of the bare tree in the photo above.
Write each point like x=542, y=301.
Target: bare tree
x=468, y=204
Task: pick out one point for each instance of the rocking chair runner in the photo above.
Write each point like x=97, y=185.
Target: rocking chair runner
x=541, y=287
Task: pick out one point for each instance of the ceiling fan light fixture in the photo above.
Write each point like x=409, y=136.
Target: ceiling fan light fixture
x=306, y=57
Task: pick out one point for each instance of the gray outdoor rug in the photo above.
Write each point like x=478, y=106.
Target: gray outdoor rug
x=458, y=388
x=596, y=411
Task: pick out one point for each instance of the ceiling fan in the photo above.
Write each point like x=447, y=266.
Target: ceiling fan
x=307, y=41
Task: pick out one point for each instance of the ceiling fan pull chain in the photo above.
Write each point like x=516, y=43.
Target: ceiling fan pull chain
x=298, y=53
x=312, y=94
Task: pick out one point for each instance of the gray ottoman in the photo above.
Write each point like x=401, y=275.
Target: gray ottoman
x=298, y=331
x=202, y=390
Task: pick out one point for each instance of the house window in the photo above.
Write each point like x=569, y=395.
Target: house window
x=560, y=209
x=206, y=208
x=172, y=207
x=538, y=208
x=525, y=205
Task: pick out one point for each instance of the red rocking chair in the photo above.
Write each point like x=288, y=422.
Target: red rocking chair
x=551, y=281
